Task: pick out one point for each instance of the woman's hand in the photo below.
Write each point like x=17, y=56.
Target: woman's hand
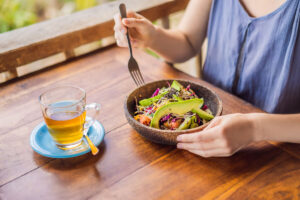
x=176, y=45
x=141, y=30
x=224, y=136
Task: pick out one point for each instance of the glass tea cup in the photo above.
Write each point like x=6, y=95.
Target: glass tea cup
x=64, y=110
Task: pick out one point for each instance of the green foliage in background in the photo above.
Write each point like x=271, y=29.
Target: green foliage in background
x=15, y=14
x=81, y=4
x=19, y=13
x=84, y=4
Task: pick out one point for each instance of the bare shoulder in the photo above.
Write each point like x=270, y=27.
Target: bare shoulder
x=201, y=5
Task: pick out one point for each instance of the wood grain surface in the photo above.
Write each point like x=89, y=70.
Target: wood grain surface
x=128, y=166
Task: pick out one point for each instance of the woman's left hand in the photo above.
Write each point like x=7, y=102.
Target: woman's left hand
x=224, y=136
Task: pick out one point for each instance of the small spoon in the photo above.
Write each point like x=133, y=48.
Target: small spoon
x=94, y=149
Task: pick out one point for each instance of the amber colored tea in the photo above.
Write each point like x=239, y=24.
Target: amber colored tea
x=66, y=127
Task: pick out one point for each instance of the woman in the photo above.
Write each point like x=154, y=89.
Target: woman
x=253, y=52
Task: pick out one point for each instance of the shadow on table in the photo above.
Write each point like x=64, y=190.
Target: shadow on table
x=71, y=163
x=146, y=150
x=253, y=158
x=291, y=148
x=247, y=160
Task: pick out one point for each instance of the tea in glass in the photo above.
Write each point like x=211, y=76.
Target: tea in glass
x=65, y=126
x=64, y=110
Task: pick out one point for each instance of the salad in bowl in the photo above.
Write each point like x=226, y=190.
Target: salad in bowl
x=174, y=107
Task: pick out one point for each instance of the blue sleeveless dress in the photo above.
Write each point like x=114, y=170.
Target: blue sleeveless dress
x=257, y=59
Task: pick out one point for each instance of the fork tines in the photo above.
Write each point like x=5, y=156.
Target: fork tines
x=137, y=77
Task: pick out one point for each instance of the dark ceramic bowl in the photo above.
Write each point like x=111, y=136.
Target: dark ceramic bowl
x=167, y=136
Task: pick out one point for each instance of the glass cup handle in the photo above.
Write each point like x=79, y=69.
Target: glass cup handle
x=89, y=121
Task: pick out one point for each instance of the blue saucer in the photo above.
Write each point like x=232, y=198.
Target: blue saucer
x=42, y=143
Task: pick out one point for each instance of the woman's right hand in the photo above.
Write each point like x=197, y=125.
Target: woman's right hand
x=141, y=30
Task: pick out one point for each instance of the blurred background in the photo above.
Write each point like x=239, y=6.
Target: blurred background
x=20, y=13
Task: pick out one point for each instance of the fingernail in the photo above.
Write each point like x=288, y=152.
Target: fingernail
x=125, y=21
x=179, y=146
x=178, y=138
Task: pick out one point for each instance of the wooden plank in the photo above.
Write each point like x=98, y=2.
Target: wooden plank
x=8, y=75
x=17, y=157
x=181, y=175
x=12, y=108
x=26, y=85
x=25, y=94
x=128, y=165
x=101, y=85
x=96, y=74
x=278, y=182
x=25, y=45
x=293, y=149
x=122, y=153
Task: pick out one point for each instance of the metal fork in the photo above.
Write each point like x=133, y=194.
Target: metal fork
x=133, y=67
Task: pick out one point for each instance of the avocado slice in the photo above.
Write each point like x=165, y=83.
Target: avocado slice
x=177, y=86
x=149, y=101
x=179, y=108
x=202, y=114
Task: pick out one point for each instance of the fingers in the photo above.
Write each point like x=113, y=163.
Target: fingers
x=205, y=135
x=200, y=145
x=216, y=148
x=211, y=153
x=137, y=26
x=134, y=23
x=131, y=14
x=133, y=20
x=121, y=30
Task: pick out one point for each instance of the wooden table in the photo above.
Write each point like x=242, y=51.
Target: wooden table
x=128, y=166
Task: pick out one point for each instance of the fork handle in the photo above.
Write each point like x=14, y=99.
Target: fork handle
x=123, y=13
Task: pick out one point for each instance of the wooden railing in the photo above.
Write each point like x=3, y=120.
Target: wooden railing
x=44, y=44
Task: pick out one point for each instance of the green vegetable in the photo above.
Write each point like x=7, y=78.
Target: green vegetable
x=194, y=125
x=149, y=101
x=202, y=114
x=179, y=108
x=185, y=124
x=177, y=86
x=177, y=97
x=194, y=118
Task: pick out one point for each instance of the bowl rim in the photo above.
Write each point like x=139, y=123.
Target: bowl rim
x=219, y=111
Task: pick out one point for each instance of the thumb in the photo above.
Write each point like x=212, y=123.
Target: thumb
x=131, y=14
x=133, y=22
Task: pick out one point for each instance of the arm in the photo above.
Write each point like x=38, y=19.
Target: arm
x=227, y=134
x=280, y=128
x=188, y=38
x=173, y=45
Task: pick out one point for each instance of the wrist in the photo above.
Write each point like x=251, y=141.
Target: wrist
x=255, y=122
x=154, y=34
